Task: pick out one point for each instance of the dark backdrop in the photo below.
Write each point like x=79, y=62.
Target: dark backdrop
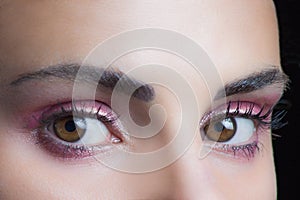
x=286, y=148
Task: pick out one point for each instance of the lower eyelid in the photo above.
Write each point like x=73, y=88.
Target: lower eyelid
x=64, y=150
x=239, y=152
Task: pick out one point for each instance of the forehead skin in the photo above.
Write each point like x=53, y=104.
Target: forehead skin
x=240, y=36
x=40, y=32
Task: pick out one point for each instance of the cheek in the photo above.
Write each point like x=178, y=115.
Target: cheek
x=254, y=179
x=260, y=181
x=31, y=174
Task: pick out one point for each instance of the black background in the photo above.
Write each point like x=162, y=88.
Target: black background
x=286, y=148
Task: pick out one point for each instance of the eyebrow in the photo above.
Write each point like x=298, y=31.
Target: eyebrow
x=109, y=78
x=253, y=82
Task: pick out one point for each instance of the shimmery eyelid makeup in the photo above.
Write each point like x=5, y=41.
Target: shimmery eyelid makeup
x=242, y=108
x=90, y=108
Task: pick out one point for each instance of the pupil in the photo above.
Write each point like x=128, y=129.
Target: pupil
x=70, y=126
x=219, y=127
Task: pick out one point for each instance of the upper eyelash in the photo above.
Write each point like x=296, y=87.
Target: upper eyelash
x=265, y=117
x=262, y=116
x=269, y=118
x=79, y=111
x=275, y=114
x=279, y=112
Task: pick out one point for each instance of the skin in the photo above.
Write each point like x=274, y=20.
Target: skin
x=34, y=34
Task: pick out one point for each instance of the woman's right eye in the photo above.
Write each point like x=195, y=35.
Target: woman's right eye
x=78, y=130
x=69, y=129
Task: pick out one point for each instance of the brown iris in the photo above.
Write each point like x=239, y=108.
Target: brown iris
x=221, y=130
x=68, y=129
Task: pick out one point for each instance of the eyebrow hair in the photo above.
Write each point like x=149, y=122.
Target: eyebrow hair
x=254, y=81
x=109, y=78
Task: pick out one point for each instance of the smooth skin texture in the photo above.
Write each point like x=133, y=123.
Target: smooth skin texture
x=241, y=37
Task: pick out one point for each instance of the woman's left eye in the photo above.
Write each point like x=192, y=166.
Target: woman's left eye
x=237, y=129
x=231, y=130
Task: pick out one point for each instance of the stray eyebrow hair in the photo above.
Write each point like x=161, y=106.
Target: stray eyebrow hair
x=255, y=81
x=109, y=78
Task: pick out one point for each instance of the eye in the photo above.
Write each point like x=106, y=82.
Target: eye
x=74, y=129
x=230, y=130
x=236, y=128
x=78, y=130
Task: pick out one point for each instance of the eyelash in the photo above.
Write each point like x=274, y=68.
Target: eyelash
x=262, y=119
x=65, y=150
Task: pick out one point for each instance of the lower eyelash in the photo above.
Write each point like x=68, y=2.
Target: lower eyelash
x=247, y=151
x=65, y=151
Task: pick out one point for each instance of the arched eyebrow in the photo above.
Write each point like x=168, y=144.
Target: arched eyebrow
x=254, y=81
x=107, y=78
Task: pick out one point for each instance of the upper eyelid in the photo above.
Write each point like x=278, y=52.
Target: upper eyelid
x=263, y=110
x=86, y=108
x=222, y=111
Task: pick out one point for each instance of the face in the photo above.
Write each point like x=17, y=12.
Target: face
x=55, y=148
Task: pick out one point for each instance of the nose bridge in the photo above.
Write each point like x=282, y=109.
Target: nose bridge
x=196, y=174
